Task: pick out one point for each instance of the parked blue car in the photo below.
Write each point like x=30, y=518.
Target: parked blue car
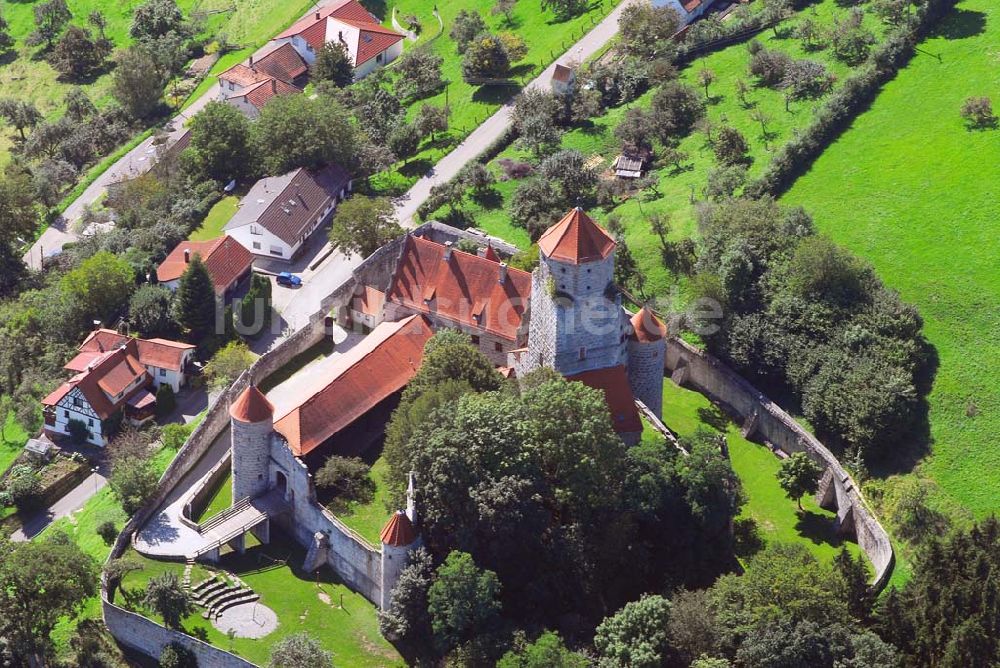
x=289, y=279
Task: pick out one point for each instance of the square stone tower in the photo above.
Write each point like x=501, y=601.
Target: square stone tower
x=577, y=322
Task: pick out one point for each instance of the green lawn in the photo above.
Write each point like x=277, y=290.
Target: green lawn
x=369, y=518
x=222, y=498
x=216, y=219
x=12, y=440
x=545, y=38
x=351, y=632
x=676, y=188
x=912, y=190
x=686, y=412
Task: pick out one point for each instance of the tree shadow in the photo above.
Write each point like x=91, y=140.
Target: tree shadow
x=714, y=417
x=443, y=140
x=819, y=529
x=488, y=199
x=7, y=57
x=715, y=99
x=416, y=168
x=521, y=69
x=377, y=7
x=961, y=24
x=494, y=94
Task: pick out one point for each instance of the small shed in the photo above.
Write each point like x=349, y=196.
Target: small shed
x=628, y=167
x=562, y=79
x=39, y=448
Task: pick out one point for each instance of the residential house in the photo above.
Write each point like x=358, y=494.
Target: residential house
x=167, y=362
x=279, y=213
x=227, y=261
x=563, y=78
x=480, y=296
x=249, y=87
x=369, y=45
x=687, y=10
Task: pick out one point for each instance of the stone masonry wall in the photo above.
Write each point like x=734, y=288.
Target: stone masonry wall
x=645, y=373
x=711, y=377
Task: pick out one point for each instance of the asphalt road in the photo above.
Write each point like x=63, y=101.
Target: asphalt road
x=491, y=130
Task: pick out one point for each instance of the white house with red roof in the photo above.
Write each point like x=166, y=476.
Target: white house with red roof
x=687, y=10
x=279, y=213
x=227, y=261
x=369, y=44
x=249, y=87
x=114, y=379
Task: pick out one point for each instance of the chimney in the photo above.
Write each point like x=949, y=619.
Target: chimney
x=251, y=61
x=503, y=273
x=447, y=251
x=317, y=15
x=274, y=85
x=187, y=255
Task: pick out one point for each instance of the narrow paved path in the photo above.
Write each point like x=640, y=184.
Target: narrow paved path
x=491, y=130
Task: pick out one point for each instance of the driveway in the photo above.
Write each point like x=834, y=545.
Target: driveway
x=492, y=129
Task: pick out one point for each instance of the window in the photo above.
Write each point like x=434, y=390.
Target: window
x=498, y=347
x=256, y=245
x=588, y=270
x=378, y=58
x=90, y=422
x=563, y=269
x=275, y=250
x=163, y=372
x=475, y=340
x=583, y=353
x=77, y=402
x=256, y=229
x=65, y=413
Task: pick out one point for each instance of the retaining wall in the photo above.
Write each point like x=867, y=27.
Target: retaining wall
x=199, y=497
x=702, y=372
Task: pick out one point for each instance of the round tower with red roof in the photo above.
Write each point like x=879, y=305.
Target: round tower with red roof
x=577, y=323
x=647, y=345
x=399, y=538
x=251, y=424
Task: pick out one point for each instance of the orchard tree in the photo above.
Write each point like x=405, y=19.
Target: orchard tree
x=635, y=132
x=647, y=31
x=675, y=110
x=333, y=64
x=419, y=74
x=78, y=55
x=430, y=120
x=137, y=82
x=485, y=57
x=978, y=112
x=799, y=475
x=535, y=117
x=505, y=7
x=706, y=78
x=156, y=18
x=731, y=147
x=6, y=40
x=50, y=19
x=362, y=225
x=220, y=147
x=565, y=9
x=194, y=302
x=78, y=105
x=20, y=114
x=466, y=26
x=299, y=650
x=404, y=141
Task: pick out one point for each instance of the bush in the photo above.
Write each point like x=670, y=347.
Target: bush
x=107, y=531
x=346, y=479
x=515, y=169
x=978, y=112
x=165, y=400
x=24, y=486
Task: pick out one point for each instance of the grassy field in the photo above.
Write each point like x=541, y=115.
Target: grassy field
x=369, y=518
x=686, y=412
x=303, y=602
x=545, y=37
x=676, y=189
x=216, y=219
x=912, y=190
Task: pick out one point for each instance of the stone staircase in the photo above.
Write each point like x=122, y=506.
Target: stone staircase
x=218, y=593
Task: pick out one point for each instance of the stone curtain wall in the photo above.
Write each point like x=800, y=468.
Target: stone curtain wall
x=148, y=637
x=698, y=370
x=198, y=498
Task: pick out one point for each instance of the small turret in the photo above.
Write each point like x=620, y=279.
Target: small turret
x=647, y=345
x=251, y=424
x=399, y=538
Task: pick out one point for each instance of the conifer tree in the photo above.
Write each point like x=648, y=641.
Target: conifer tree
x=195, y=302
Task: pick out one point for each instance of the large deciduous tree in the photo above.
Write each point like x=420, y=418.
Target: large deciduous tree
x=220, y=144
x=362, y=225
x=78, y=55
x=463, y=600
x=101, y=285
x=50, y=19
x=137, y=82
x=647, y=31
x=156, y=18
x=166, y=597
x=485, y=58
x=419, y=74
x=285, y=135
x=333, y=64
x=299, y=650
x=635, y=636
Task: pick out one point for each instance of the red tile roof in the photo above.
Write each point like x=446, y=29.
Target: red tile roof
x=160, y=353
x=647, y=327
x=225, y=258
x=613, y=381
x=576, y=239
x=251, y=406
x=491, y=254
x=261, y=93
x=241, y=75
x=311, y=192
x=562, y=73
x=379, y=366
x=112, y=373
x=369, y=302
x=691, y=5
x=283, y=63
x=461, y=289
x=398, y=531
x=373, y=39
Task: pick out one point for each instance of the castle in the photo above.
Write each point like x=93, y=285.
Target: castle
x=566, y=315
